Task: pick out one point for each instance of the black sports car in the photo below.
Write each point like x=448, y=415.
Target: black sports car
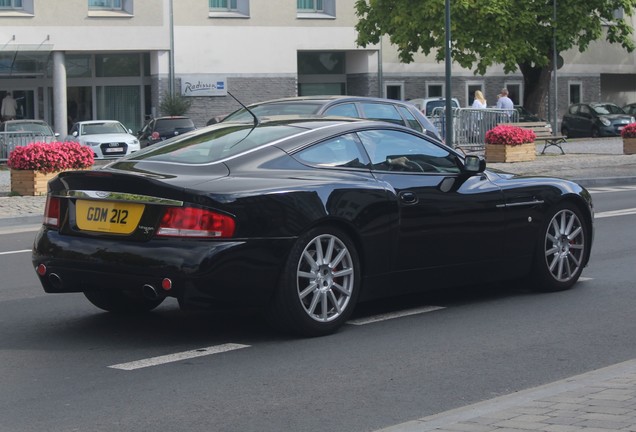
x=304, y=218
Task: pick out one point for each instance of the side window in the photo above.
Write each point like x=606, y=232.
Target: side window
x=381, y=111
x=391, y=150
x=584, y=111
x=340, y=152
x=411, y=121
x=344, y=110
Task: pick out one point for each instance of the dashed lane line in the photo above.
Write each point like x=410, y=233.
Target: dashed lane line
x=171, y=358
x=613, y=213
x=15, y=252
x=393, y=315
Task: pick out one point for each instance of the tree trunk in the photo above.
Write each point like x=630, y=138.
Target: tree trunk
x=536, y=88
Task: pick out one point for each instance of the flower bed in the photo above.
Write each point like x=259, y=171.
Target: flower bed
x=505, y=143
x=51, y=157
x=629, y=139
x=509, y=135
x=33, y=165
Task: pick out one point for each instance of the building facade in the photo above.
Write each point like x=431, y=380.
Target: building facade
x=112, y=59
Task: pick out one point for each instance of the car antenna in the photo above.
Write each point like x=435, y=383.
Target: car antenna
x=256, y=120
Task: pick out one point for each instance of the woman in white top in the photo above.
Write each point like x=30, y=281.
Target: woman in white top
x=480, y=101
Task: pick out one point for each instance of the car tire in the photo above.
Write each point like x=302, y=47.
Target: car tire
x=562, y=249
x=595, y=133
x=122, y=302
x=565, y=132
x=319, y=285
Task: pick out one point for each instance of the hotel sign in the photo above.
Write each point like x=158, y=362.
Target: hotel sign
x=203, y=85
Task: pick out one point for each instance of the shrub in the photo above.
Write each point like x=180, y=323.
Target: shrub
x=629, y=131
x=509, y=135
x=51, y=157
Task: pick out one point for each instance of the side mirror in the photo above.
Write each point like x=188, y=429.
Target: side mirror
x=474, y=164
x=75, y=134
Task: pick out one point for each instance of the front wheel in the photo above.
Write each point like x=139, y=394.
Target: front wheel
x=122, y=302
x=319, y=285
x=562, y=250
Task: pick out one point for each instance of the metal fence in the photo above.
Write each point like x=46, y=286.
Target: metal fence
x=11, y=140
x=470, y=125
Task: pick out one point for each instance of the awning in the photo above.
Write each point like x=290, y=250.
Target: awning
x=24, y=59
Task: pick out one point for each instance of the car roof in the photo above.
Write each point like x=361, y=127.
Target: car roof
x=330, y=98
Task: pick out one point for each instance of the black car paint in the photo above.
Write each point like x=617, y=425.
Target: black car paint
x=412, y=232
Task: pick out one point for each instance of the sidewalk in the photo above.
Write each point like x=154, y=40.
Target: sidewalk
x=598, y=401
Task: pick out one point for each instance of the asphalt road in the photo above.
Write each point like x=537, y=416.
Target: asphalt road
x=58, y=353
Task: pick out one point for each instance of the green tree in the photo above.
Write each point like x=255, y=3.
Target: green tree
x=174, y=104
x=517, y=34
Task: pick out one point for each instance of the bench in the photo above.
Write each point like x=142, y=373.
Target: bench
x=543, y=132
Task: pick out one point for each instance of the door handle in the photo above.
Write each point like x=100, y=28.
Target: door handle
x=408, y=197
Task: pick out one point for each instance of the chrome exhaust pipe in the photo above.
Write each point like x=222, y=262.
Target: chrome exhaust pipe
x=149, y=292
x=56, y=281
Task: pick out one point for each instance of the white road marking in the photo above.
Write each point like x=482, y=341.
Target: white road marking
x=392, y=315
x=623, y=212
x=611, y=189
x=583, y=279
x=15, y=252
x=171, y=358
x=19, y=229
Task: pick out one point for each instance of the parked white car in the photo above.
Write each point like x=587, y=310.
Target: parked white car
x=107, y=138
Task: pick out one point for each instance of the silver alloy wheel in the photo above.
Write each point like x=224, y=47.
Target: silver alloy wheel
x=325, y=278
x=564, y=245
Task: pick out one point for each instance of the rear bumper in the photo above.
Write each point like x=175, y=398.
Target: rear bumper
x=201, y=271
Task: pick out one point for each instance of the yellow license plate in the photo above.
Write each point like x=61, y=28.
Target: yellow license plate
x=106, y=216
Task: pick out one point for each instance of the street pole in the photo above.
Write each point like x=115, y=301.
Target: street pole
x=555, y=58
x=171, y=72
x=449, y=107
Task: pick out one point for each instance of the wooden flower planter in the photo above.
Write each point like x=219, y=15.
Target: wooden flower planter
x=32, y=183
x=507, y=153
x=629, y=145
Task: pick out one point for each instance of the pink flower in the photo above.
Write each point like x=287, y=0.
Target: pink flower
x=629, y=131
x=509, y=135
x=51, y=157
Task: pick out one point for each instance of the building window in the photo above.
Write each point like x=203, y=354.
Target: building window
x=316, y=9
x=17, y=8
x=105, y=4
x=435, y=90
x=224, y=5
x=110, y=8
x=309, y=5
x=229, y=8
x=575, y=89
x=117, y=65
x=10, y=4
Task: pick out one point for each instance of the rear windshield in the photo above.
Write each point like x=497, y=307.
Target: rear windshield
x=172, y=124
x=271, y=109
x=217, y=144
x=36, y=128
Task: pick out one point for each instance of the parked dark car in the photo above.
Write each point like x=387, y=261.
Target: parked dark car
x=390, y=110
x=162, y=128
x=595, y=120
x=630, y=109
x=303, y=218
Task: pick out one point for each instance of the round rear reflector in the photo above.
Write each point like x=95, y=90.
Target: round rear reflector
x=41, y=269
x=166, y=284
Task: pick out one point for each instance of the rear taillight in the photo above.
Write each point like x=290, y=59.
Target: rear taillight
x=195, y=222
x=52, y=212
